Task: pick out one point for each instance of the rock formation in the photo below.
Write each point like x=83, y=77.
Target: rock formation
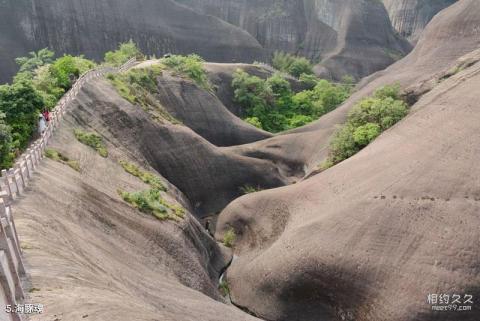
x=345, y=36
x=367, y=240
x=395, y=221
x=409, y=17
x=93, y=27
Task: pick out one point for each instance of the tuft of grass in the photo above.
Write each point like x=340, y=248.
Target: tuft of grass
x=229, y=238
x=224, y=288
x=151, y=202
x=59, y=157
x=248, y=189
x=33, y=290
x=154, y=181
x=93, y=140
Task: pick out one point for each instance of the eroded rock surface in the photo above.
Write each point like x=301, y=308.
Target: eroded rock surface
x=409, y=17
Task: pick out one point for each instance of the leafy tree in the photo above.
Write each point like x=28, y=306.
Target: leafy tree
x=6, y=155
x=35, y=60
x=20, y=103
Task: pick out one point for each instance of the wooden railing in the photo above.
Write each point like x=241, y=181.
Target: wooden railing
x=13, y=183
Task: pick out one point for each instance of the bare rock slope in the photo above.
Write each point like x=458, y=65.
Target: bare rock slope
x=409, y=17
x=90, y=255
x=397, y=220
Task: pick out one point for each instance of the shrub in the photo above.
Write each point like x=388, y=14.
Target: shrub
x=151, y=202
x=368, y=118
x=229, y=237
x=124, y=52
x=190, y=66
x=59, y=157
x=154, y=181
x=92, y=140
x=294, y=65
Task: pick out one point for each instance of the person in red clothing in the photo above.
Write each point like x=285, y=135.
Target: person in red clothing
x=46, y=114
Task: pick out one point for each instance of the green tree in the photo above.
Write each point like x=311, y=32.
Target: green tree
x=35, y=60
x=20, y=103
x=6, y=155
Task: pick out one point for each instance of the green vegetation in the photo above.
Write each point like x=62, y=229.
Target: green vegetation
x=190, y=66
x=154, y=181
x=20, y=104
x=272, y=105
x=366, y=121
x=93, y=140
x=224, y=288
x=125, y=52
x=151, y=202
x=229, y=237
x=293, y=65
x=248, y=189
x=139, y=86
x=6, y=156
x=59, y=157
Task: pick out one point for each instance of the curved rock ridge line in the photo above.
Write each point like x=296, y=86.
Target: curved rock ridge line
x=397, y=220
x=436, y=53
x=346, y=37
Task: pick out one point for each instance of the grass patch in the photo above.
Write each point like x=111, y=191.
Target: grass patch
x=154, y=181
x=93, y=140
x=248, y=189
x=151, y=202
x=59, y=157
x=229, y=237
x=224, y=288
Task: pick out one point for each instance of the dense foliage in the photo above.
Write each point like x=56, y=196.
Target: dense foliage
x=293, y=65
x=272, y=105
x=20, y=103
x=366, y=121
